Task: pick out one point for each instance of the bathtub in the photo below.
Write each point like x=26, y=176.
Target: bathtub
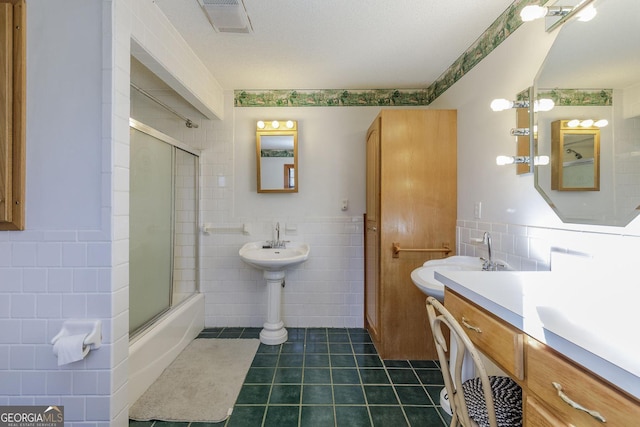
x=152, y=351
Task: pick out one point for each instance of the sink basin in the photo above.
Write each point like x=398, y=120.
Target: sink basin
x=272, y=259
x=424, y=279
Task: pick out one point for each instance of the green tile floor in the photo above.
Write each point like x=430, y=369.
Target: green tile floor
x=329, y=377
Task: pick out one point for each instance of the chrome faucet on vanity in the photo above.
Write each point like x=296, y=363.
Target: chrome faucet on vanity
x=489, y=264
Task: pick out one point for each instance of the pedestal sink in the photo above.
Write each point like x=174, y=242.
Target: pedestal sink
x=274, y=261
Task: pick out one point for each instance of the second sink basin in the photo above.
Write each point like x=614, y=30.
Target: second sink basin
x=424, y=279
x=274, y=259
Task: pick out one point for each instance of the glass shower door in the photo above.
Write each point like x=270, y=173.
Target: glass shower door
x=150, y=228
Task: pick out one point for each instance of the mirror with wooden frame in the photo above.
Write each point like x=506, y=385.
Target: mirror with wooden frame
x=277, y=156
x=575, y=157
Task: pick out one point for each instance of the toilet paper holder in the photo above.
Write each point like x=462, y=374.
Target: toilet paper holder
x=92, y=328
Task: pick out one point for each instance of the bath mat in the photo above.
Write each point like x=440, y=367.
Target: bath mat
x=202, y=384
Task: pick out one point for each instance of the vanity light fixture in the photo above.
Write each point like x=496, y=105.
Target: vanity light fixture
x=587, y=123
x=275, y=124
x=544, y=104
x=260, y=124
x=289, y=124
x=583, y=11
x=511, y=160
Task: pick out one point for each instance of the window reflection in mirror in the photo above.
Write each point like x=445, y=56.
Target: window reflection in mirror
x=277, y=156
x=575, y=157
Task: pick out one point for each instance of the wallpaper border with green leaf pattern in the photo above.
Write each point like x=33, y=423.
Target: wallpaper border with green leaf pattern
x=497, y=32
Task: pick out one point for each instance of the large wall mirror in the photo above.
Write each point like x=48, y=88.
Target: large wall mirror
x=277, y=156
x=592, y=72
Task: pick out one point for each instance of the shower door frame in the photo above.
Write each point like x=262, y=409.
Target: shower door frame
x=146, y=129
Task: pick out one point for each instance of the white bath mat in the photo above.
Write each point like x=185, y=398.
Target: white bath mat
x=202, y=384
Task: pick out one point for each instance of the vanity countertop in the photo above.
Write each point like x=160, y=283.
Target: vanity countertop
x=583, y=317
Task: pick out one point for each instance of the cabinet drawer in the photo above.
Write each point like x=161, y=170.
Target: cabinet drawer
x=504, y=344
x=545, y=367
x=535, y=414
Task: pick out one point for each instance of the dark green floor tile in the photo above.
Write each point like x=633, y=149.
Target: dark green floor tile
x=360, y=338
x=403, y=376
x=424, y=364
x=268, y=349
x=434, y=392
x=264, y=360
x=385, y=416
x=352, y=416
x=250, y=333
x=364, y=348
x=244, y=416
x=345, y=376
x=368, y=361
x=259, y=376
x=380, y=395
x=282, y=416
x=196, y=424
x=133, y=423
x=397, y=364
x=285, y=394
x=296, y=334
x=348, y=395
x=317, y=347
x=317, y=395
x=253, y=394
x=339, y=338
x=340, y=348
x=446, y=417
x=317, y=376
x=430, y=376
x=230, y=334
x=316, y=360
x=290, y=360
x=412, y=395
x=163, y=424
x=420, y=416
x=374, y=376
x=317, y=416
x=342, y=360
x=288, y=376
x=292, y=347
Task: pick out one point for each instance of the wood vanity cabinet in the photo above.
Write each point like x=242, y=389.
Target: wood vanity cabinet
x=411, y=200
x=542, y=404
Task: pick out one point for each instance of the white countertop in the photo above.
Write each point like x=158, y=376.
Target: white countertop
x=591, y=319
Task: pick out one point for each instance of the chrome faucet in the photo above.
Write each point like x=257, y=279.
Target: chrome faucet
x=488, y=264
x=277, y=243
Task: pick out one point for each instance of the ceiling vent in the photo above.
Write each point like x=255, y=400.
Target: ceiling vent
x=227, y=16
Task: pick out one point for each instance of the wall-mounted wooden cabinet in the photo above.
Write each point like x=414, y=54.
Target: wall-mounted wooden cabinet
x=12, y=114
x=411, y=200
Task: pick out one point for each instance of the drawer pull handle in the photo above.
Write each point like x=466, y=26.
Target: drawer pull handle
x=470, y=326
x=576, y=405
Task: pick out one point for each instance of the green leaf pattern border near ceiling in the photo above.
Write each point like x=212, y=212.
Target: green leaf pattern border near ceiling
x=497, y=32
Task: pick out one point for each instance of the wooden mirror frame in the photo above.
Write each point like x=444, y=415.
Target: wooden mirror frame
x=13, y=114
x=559, y=147
x=289, y=169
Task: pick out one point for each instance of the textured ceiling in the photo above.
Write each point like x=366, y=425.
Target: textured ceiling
x=336, y=44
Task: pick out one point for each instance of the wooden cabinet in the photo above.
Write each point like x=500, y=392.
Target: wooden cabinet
x=411, y=200
x=543, y=404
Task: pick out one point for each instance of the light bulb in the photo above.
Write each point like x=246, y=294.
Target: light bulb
x=260, y=124
x=601, y=123
x=532, y=12
x=544, y=104
x=505, y=160
x=586, y=123
x=289, y=124
x=587, y=13
x=541, y=160
x=275, y=124
x=573, y=123
x=501, y=104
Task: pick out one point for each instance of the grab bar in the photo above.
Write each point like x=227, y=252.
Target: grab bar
x=397, y=249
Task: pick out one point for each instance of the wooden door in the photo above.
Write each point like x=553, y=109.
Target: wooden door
x=372, y=239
